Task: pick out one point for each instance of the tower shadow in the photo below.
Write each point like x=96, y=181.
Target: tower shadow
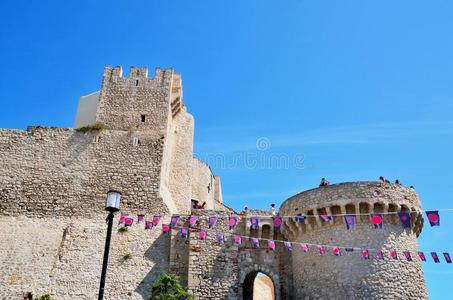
x=154, y=254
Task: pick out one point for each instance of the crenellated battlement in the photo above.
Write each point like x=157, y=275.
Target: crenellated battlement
x=138, y=101
x=359, y=198
x=134, y=72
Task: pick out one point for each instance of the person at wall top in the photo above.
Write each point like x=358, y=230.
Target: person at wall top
x=244, y=211
x=383, y=179
x=202, y=206
x=324, y=182
x=273, y=209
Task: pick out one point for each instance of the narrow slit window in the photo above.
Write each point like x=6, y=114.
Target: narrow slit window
x=136, y=82
x=143, y=117
x=135, y=141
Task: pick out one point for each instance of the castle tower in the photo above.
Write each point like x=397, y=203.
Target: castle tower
x=151, y=107
x=350, y=276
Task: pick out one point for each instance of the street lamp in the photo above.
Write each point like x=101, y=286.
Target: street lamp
x=112, y=205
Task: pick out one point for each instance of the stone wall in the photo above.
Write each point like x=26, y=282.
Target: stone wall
x=350, y=276
x=61, y=172
x=180, y=177
x=226, y=271
x=123, y=100
x=213, y=269
x=63, y=256
x=52, y=196
x=203, y=184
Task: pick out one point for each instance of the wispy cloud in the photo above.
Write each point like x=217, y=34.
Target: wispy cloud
x=378, y=133
x=253, y=196
x=438, y=272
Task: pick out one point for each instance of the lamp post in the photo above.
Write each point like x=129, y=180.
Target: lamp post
x=112, y=206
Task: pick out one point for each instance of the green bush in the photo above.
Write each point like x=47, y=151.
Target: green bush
x=127, y=256
x=122, y=229
x=169, y=287
x=46, y=297
x=95, y=127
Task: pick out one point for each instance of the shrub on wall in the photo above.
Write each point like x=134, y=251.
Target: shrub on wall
x=122, y=229
x=168, y=286
x=45, y=297
x=95, y=127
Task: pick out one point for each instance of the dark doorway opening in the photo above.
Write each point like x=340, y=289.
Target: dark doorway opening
x=258, y=286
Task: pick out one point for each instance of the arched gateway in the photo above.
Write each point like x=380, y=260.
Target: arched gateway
x=247, y=280
x=258, y=285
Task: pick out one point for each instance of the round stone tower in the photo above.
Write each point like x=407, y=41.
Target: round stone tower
x=349, y=276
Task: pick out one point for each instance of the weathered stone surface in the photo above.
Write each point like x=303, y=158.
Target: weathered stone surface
x=350, y=276
x=52, y=195
x=263, y=288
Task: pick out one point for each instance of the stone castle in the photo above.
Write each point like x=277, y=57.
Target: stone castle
x=52, y=196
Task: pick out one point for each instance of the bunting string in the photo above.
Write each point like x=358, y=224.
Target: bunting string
x=376, y=219
x=250, y=214
x=237, y=239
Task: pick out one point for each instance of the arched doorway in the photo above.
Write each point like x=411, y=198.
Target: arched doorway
x=258, y=286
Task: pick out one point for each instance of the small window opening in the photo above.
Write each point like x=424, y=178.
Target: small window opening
x=143, y=117
x=254, y=232
x=135, y=141
x=266, y=232
x=364, y=210
x=97, y=139
x=136, y=82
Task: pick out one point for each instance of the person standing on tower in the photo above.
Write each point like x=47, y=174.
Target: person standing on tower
x=324, y=182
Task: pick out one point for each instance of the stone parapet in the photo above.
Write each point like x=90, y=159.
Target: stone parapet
x=361, y=198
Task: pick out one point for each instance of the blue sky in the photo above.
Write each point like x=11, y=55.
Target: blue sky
x=348, y=90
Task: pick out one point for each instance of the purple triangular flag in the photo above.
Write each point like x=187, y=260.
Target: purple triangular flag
x=377, y=220
x=166, y=228
x=304, y=247
x=122, y=218
x=193, y=220
x=255, y=222
x=336, y=251
x=408, y=255
x=255, y=242
x=271, y=245
x=202, y=235
x=435, y=257
x=232, y=221
x=299, y=218
x=277, y=221
x=288, y=246
x=174, y=221
x=184, y=232
x=433, y=217
x=128, y=222
x=320, y=249
x=140, y=218
x=156, y=220
x=447, y=257
x=148, y=225
x=220, y=238
x=405, y=218
x=212, y=221
x=422, y=256
x=350, y=221
x=325, y=218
